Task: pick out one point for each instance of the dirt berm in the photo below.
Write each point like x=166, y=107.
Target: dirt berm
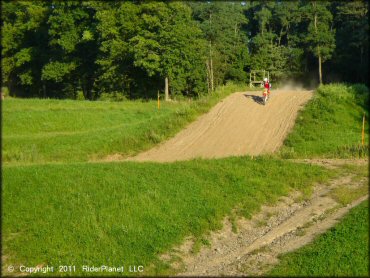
x=238, y=125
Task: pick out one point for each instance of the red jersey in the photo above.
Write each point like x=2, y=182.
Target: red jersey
x=267, y=85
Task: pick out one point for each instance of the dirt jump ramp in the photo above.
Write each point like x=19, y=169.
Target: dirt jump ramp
x=238, y=125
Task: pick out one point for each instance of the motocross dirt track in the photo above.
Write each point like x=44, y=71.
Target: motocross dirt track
x=238, y=125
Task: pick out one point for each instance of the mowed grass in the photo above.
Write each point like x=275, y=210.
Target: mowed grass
x=78, y=213
x=360, y=187
x=128, y=213
x=330, y=125
x=342, y=251
x=40, y=131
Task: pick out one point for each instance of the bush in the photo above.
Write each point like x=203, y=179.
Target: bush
x=362, y=94
x=114, y=96
x=353, y=151
x=335, y=92
x=5, y=91
x=80, y=96
x=330, y=124
x=360, y=89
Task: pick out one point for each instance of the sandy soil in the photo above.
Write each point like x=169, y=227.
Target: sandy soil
x=238, y=125
x=254, y=249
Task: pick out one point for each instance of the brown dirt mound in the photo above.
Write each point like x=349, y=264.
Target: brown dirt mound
x=238, y=125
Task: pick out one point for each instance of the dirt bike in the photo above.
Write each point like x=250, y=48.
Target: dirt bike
x=265, y=96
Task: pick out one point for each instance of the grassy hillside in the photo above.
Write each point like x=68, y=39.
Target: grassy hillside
x=330, y=125
x=36, y=130
x=103, y=213
x=74, y=212
x=342, y=251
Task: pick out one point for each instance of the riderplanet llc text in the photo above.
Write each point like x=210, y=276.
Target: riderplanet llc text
x=72, y=268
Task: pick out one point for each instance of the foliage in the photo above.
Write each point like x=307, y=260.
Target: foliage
x=24, y=34
x=55, y=49
x=99, y=213
x=342, y=251
x=222, y=24
x=320, y=37
x=71, y=31
x=330, y=124
x=165, y=45
x=352, y=38
x=65, y=130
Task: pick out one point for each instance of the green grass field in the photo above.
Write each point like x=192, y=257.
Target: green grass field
x=40, y=131
x=330, y=125
x=106, y=213
x=342, y=251
x=60, y=209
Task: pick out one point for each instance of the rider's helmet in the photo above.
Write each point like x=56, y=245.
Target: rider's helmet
x=265, y=79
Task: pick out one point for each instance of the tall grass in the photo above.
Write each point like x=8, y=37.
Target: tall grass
x=37, y=130
x=331, y=123
x=126, y=212
x=342, y=251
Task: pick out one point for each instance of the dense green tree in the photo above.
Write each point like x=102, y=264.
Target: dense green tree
x=352, y=41
x=320, y=36
x=168, y=44
x=74, y=46
x=117, y=24
x=275, y=45
x=24, y=34
x=222, y=24
x=137, y=48
x=286, y=20
x=151, y=41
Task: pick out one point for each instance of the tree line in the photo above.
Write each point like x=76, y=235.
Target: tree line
x=134, y=49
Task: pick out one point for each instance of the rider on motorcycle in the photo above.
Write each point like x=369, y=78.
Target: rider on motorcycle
x=267, y=86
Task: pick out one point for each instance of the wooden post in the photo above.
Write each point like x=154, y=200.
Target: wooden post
x=166, y=94
x=208, y=78
x=363, y=131
x=159, y=104
x=320, y=70
x=318, y=48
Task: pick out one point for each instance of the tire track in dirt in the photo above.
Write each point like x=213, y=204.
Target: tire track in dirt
x=238, y=125
x=254, y=249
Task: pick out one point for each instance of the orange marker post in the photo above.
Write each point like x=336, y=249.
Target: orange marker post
x=363, y=130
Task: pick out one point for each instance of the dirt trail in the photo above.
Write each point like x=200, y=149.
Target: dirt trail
x=238, y=125
x=291, y=223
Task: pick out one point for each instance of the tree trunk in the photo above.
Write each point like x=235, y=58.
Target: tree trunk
x=318, y=48
x=360, y=76
x=287, y=34
x=280, y=35
x=11, y=89
x=320, y=73
x=87, y=86
x=210, y=55
x=208, y=79
x=44, y=90
x=235, y=34
x=84, y=92
x=211, y=66
x=166, y=95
